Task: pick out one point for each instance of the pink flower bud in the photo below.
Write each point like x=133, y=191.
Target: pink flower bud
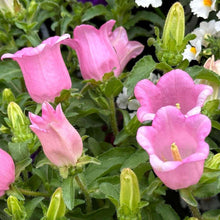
x=43, y=68
x=102, y=51
x=7, y=171
x=61, y=142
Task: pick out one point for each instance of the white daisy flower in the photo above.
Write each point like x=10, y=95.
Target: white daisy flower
x=206, y=28
x=192, y=52
x=146, y=3
x=201, y=8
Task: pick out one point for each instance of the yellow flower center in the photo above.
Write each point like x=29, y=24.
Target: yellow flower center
x=193, y=50
x=178, y=105
x=175, y=152
x=207, y=2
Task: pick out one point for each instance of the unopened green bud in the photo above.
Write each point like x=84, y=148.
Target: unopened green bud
x=12, y=6
x=15, y=208
x=174, y=29
x=57, y=207
x=129, y=196
x=213, y=162
x=19, y=123
x=7, y=96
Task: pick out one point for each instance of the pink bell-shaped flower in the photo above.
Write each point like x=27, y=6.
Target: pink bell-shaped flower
x=61, y=142
x=176, y=146
x=175, y=88
x=102, y=51
x=7, y=171
x=45, y=73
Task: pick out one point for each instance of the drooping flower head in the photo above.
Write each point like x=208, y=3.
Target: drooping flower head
x=175, y=88
x=201, y=8
x=45, y=73
x=102, y=51
x=61, y=142
x=176, y=146
x=7, y=171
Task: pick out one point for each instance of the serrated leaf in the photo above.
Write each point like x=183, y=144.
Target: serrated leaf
x=141, y=70
x=93, y=12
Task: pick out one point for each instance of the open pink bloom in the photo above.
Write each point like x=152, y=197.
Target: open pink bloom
x=102, y=51
x=175, y=88
x=7, y=171
x=61, y=142
x=170, y=127
x=43, y=68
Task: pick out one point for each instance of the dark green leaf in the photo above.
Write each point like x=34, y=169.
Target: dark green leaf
x=141, y=70
x=9, y=71
x=110, y=160
x=187, y=196
x=68, y=192
x=93, y=12
x=167, y=212
x=18, y=151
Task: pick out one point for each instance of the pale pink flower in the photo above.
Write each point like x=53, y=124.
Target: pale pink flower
x=102, y=51
x=61, y=142
x=213, y=65
x=43, y=68
x=171, y=127
x=7, y=171
x=175, y=88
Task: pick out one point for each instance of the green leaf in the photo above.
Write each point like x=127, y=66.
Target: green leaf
x=21, y=165
x=18, y=151
x=93, y=12
x=211, y=215
x=141, y=70
x=31, y=205
x=111, y=87
x=110, y=160
x=187, y=196
x=164, y=67
x=129, y=130
x=9, y=71
x=145, y=16
x=167, y=212
x=139, y=157
x=199, y=72
x=68, y=188
x=215, y=124
x=111, y=192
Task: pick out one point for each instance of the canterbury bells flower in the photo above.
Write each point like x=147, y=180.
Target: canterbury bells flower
x=45, y=73
x=102, y=51
x=61, y=142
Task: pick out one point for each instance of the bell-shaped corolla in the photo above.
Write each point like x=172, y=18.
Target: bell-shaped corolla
x=61, y=142
x=100, y=51
x=176, y=146
x=7, y=171
x=45, y=73
x=175, y=88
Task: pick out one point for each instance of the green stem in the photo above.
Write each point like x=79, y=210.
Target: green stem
x=195, y=212
x=32, y=193
x=113, y=116
x=86, y=194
